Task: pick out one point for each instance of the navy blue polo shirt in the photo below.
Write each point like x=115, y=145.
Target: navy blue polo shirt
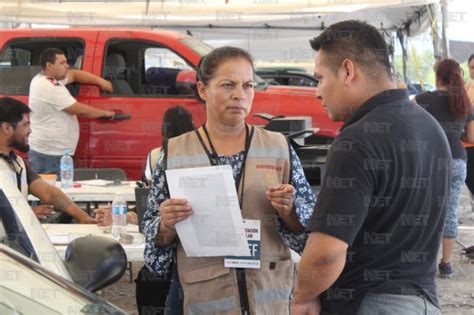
x=385, y=194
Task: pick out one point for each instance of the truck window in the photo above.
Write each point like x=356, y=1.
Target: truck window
x=141, y=69
x=19, y=61
x=162, y=68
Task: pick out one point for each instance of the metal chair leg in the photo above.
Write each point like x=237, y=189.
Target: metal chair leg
x=130, y=271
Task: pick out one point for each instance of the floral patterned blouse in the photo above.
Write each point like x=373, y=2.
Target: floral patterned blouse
x=158, y=259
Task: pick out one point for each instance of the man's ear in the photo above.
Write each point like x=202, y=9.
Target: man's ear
x=348, y=68
x=6, y=127
x=201, y=88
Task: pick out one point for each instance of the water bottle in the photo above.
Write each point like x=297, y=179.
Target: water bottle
x=119, y=216
x=67, y=171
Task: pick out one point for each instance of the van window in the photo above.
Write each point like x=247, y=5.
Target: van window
x=19, y=61
x=142, y=68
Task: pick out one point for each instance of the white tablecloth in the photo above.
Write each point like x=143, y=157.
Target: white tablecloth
x=62, y=234
x=89, y=193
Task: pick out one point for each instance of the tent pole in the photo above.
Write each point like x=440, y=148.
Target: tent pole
x=444, y=27
x=402, y=39
x=433, y=14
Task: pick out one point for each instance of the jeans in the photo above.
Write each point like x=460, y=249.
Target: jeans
x=45, y=164
x=393, y=304
x=458, y=175
x=174, y=302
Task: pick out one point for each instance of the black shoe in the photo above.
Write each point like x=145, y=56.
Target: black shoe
x=445, y=270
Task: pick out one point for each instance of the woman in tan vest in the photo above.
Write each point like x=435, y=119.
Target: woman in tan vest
x=272, y=191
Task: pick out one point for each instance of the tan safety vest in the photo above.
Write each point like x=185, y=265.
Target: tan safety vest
x=7, y=171
x=209, y=287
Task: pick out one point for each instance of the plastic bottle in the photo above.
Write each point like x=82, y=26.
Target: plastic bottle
x=67, y=171
x=119, y=216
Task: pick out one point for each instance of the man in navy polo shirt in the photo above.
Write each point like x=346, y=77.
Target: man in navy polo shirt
x=377, y=225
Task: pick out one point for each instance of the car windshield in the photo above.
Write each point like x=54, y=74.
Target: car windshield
x=202, y=49
x=21, y=230
x=28, y=288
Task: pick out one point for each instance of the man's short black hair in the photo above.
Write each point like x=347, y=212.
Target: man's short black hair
x=470, y=58
x=12, y=110
x=49, y=55
x=358, y=41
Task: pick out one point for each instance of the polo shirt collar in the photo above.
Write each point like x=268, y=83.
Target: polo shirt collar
x=384, y=97
x=10, y=156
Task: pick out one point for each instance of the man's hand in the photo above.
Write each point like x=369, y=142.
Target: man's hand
x=43, y=211
x=106, y=86
x=87, y=220
x=103, y=215
x=282, y=198
x=109, y=113
x=312, y=308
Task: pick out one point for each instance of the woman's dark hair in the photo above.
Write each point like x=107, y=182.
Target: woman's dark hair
x=449, y=74
x=208, y=65
x=470, y=58
x=12, y=110
x=176, y=121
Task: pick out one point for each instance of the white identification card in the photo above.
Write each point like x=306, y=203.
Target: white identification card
x=252, y=233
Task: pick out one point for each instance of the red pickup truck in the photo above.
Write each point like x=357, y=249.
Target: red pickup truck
x=150, y=71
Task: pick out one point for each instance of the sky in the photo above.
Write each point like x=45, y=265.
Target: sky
x=461, y=20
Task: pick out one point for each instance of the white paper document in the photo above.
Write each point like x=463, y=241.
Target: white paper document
x=215, y=228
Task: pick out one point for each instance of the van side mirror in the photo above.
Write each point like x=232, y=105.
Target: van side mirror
x=95, y=262
x=185, y=82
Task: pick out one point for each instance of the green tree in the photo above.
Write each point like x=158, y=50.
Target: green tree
x=419, y=65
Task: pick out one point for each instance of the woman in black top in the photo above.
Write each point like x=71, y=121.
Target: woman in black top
x=451, y=107
x=470, y=149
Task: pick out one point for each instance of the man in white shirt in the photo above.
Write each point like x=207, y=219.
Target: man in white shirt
x=54, y=111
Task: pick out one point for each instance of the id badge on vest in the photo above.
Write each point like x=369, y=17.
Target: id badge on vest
x=252, y=233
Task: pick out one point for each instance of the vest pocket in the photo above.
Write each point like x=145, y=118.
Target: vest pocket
x=204, y=273
x=209, y=289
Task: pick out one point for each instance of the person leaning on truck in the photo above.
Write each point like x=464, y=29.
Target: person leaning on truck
x=54, y=111
x=14, y=132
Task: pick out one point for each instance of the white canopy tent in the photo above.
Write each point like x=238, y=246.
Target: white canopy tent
x=389, y=14
x=261, y=26
x=272, y=30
